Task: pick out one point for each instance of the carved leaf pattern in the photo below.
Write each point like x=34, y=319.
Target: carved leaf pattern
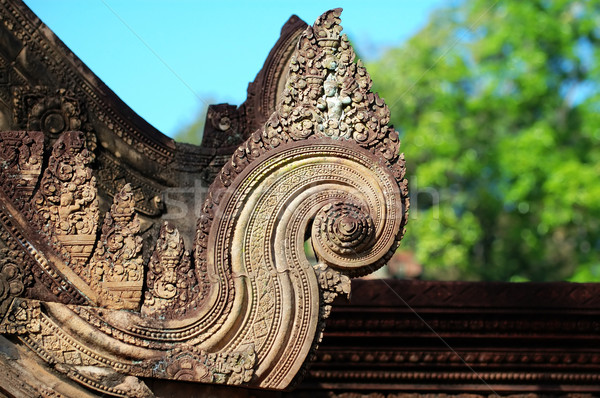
x=117, y=266
x=327, y=94
x=172, y=287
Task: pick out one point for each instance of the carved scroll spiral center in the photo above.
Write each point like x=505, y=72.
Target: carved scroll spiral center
x=347, y=225
x=53, y=123
x=344, y=227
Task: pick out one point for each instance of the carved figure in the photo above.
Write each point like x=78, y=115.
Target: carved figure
x=332, y=101
x=172, y=284
x=117, y=269
x=66, y=205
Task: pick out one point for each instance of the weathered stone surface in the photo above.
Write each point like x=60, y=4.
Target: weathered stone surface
x=65, y=205
x=106, y=287
x=20, y=162
x=117, y=270
x=392, y=339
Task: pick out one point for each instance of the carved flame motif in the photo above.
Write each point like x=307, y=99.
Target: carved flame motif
x=66, y=203
x=327, y=94
x=171, y=282
x=117, y=269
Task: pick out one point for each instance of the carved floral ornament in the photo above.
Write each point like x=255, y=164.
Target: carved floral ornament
x=244, y=306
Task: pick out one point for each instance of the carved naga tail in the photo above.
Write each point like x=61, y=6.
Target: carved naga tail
x=248, y=306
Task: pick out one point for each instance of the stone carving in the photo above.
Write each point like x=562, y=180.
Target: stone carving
x=117, y=268
x=21, y=318
x=482, y=321
x=333, y=101
x=12, y=279
x=20, y=163
x=330, y=81
x=55, y=114
x=191, y=364
x=263, y=94
x=66, y=204
x=247, y=307
x=266, y=90
x=112, y=176
x=52, y=112
x=220, y=140
x=343, y=228
x=356, y=226
x=47, y=111
x=171, y=282
x=222, y=128
x=50, y=282
x=333, y=284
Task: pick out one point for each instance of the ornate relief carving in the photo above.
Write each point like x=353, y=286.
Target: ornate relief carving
x=222, y=128
x=334, y=93
x=46, y=61
x=48, y=279
x=66, y=205
x=12, y=278
x=20, y=163
x=192, y=364
x=172, y=286
x=22, y=317
x=342, y=229
x=333, y=284
x=51, y=111
x=313, y=160
x=68, y=356
x=117, y=271
x=248, y=307
x=266, y=90
x=262, y=97
x=112, y=176
x=55, y=114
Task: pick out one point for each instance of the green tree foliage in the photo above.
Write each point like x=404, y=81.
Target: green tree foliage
x=192, y=133
x=498, y=107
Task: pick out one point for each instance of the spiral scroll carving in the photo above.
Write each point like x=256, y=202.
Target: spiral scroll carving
x=345, y=228
x=324, y=166
x=246, y=306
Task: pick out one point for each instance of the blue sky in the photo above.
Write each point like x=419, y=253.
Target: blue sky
x=166, y=58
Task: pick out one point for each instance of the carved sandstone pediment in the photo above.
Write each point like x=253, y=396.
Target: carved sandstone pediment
x=101, y=285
